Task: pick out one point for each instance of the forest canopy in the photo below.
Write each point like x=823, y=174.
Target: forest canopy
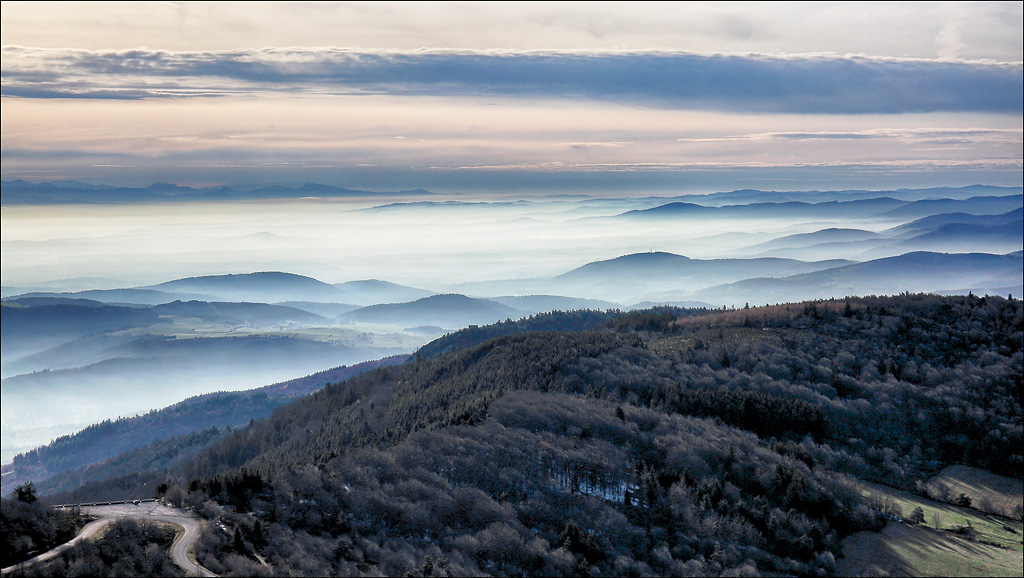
x=648, y=442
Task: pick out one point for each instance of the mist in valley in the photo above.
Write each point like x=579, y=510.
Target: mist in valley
x=114, y=310
x=433, y=244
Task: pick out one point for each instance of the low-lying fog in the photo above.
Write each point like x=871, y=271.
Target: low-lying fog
x=58, y=384
x=434, y=244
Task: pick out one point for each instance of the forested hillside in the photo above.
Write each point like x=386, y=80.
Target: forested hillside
x=648, y=442
x=160, y=438
x=28, y=527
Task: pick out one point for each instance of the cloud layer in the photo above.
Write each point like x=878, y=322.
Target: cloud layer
x=682, y=81
x=965, y=30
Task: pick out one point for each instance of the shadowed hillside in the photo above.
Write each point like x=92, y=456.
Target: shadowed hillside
x=109, y=438
x=653, y=441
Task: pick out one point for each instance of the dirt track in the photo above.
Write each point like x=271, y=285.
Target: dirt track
x=143, y=511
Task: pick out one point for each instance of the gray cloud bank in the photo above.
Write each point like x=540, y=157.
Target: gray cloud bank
x=811, y=85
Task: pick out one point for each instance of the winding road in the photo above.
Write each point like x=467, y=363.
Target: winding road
x=141, y=511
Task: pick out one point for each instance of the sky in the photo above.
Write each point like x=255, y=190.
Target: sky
x=477, y=101
x=515, y=98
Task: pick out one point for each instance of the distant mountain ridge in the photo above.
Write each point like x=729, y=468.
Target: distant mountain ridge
x=68, y=320
x=261, y=287
x=655, y=276
x=450, y=310
x=813, y=196
x=921, y=271
x=862, y=207
x=246, y=312
x=374, y=291
x=634, y=262
x=956, y=232
x=118, y=296
x=639, y=274
x=831, y=235
x=932, y=221
x=21, y=192
x=988, y=205
x=881, y=207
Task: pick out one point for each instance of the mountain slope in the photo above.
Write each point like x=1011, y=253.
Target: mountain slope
x=124, y=296
x=973, y=205
x=831, y=235
x=255, y=313
x=768, y=210
x=932, y=222
x=655, y=265
x=546, y=303
x=450, y=310
x=25, y=330
x=914, y=272
x=648, y=276
x=946, y=233
x=149, y=371
x=957, y=234
x=555, y=453
x=104, y=440
x=264, y=287
x=375, y=291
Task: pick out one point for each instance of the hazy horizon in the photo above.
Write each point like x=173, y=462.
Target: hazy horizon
x=434, y=244
x=544, y=124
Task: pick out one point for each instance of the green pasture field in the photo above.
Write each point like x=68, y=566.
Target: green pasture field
x=988, y=492
x=930, y=549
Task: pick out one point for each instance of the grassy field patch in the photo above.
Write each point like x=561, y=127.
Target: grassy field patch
x=905, y=550
x=988, y=492
x=930, y=549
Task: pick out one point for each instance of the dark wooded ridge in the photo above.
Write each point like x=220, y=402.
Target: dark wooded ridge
x=662, y=441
